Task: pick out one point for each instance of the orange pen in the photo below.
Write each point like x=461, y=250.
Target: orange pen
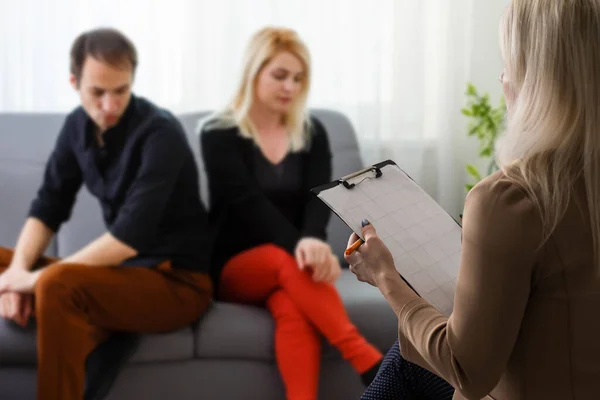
x=353, y=247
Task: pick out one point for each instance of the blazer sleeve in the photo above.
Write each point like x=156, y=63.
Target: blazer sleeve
x=230, y=182
x=501, y=237
x=318, y=164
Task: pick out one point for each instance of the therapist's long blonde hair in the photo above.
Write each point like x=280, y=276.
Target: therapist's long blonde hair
x=551, y=50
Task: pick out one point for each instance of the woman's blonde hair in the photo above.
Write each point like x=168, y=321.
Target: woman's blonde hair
x=262, y=48
x=552, y=140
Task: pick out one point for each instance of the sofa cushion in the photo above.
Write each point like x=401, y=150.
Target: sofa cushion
x=18, y=346
x=25, y=144
x=338, y=126
x=86, y=224
x=191, y=123
x=235, y=331
x=369, y=310
x=171, y=346
x=244, y=332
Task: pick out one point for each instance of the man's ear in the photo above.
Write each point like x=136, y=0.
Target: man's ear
x=73, y=81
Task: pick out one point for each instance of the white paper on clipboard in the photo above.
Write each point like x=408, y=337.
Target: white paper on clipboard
x=423, y=238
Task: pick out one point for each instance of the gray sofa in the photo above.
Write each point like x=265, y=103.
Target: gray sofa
x=228, y=354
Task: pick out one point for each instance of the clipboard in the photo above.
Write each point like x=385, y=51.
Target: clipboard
x=423, y=238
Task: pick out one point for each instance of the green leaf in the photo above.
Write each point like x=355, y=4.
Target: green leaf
x=481, y=132
x=485, y=122
x=502, y=105
x=471, y=91
x=468, y=187
x=472, y=170
x=487, y=151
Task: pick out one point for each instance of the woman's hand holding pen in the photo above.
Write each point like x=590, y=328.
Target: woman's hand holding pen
x=372, y=260
x=317, y=255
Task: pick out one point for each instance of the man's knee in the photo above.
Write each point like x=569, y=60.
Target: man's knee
x=55, y=282
x=6, y=256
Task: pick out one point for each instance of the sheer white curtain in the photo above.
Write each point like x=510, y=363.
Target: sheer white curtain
x=396, y=68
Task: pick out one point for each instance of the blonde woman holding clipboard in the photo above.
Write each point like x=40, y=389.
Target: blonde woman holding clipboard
x=524, y=324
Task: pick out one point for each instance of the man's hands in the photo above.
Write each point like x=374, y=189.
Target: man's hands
x=16, y=298
x=315, y=254
x=19, y=280
x=17, y=307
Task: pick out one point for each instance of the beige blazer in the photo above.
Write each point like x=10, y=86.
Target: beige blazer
x=526, y=319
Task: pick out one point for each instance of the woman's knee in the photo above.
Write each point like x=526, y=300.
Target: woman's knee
x=277, y=257
x=281, y=306
x=266, y=254
x=279, y=254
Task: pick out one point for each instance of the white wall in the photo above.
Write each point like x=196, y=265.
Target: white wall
x=485, y=66
x=485, y=52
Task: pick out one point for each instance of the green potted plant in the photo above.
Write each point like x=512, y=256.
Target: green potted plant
x=485, y=123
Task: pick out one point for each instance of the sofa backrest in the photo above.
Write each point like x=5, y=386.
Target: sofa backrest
x=26, y=141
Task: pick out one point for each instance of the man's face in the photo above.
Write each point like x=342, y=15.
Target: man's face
x=104, y=90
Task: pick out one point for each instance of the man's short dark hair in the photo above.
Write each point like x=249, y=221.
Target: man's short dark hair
x=104, y=44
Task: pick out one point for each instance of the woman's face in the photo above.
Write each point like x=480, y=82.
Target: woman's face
x=280, y=82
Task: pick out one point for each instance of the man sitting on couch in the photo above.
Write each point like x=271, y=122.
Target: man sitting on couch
x=147, y=273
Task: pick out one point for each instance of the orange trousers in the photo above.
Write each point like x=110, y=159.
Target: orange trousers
x=302, y=309
x=77, y=306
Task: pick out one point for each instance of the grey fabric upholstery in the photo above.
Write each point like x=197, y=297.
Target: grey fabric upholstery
x=190, y=123
x=170, y=346
x=251, y=340
x=25, y=144
x=228, y=354
x=18, y=383
x=227, y=379
x=17, y=345
x=85, y=225
x=200, y=379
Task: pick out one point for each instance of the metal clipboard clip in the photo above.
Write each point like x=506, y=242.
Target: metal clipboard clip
x=348, y=185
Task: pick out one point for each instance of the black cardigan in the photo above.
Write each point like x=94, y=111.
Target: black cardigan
x=241, y=214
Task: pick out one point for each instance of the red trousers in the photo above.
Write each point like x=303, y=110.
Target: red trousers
x=268, y=276
x=76, y=306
